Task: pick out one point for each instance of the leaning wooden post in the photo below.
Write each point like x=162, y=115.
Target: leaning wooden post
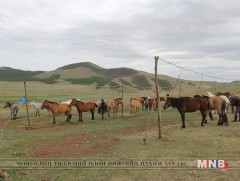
x=29, y=126
x=158, y=99
x=122, y=101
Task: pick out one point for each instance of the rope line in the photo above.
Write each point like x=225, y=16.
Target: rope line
x=177, y=81
x=193, y=70
x=199, y=87
x=5, y=124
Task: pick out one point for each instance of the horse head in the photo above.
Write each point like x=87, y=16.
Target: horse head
x=167, y=103
x=7, y=104
x=45, y=104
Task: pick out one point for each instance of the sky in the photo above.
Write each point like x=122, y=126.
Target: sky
x=198, y=35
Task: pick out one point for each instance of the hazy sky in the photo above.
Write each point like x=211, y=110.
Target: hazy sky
x=200, y=35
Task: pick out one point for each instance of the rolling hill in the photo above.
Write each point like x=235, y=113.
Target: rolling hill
x=87, y=73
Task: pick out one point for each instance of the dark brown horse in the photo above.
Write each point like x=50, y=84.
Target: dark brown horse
x=84, y=107
x=56, y=109
x=187, y=104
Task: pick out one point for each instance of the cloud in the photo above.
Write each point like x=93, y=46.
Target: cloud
x=194, y=34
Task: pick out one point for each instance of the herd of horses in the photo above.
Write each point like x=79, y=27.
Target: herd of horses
x=205, y=104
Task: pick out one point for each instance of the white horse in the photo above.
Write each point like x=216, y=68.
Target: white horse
x=38, y=107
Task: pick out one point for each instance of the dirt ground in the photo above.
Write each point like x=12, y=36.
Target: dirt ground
x=75, y=146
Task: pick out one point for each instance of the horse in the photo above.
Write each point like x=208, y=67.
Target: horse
x=38, y=107
x=135, y=104
x=13, y=109
x=84, y=107
x=56, y=109
x=219, y=103
x=142, y=100
x=113, y=105
x=187, y=104
x=228, y=95
x=235, y=101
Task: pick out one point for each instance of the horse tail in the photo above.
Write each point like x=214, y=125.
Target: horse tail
x=95, y=105
x=225, y=118
x=211, y=115
x=224, y=105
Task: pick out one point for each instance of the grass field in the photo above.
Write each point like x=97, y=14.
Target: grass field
x=111, y=139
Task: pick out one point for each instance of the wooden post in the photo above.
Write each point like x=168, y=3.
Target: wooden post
x=29, y=126
x=158, y=99
x=122, y=101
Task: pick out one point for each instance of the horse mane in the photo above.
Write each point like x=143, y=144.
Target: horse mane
x=177, y=102
x=78, y=101
x=118, y=99
x=52, y=102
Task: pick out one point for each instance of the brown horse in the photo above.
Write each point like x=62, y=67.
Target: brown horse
x=84, y=107
x=187, y=104
x=135, y=105
x=218, y=104
x=113, y=105
x=56, y=108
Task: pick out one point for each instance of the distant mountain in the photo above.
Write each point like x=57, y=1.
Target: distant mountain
x=87, y=73
x=10, y=74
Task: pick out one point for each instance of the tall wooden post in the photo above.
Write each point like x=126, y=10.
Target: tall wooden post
x=25, y=89
x=158, y=99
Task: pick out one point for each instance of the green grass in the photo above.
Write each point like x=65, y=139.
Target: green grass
x=191, y=143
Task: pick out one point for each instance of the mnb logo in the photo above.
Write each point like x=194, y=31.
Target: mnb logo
x=221, y=164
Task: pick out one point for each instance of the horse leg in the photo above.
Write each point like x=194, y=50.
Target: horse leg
x=225, y=119
x=204, y=115
x=54, y=122
x=183, y=119
x=80, y=117
x=92, y=112
x=69, y=116
x=220, y=114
